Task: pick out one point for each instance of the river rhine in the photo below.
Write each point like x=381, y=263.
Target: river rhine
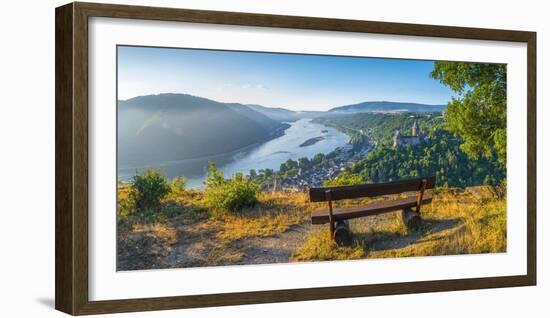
x=269, y=154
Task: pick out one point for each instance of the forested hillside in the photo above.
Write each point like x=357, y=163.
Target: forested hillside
x=439, y=156
x=380, y=127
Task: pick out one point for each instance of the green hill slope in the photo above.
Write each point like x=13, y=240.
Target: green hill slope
x=167, y=127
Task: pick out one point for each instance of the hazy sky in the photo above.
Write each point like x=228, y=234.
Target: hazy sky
x=293, y=81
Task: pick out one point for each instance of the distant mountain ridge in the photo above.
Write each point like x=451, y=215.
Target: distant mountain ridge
x=385, y=106
x=286, y=115
x=283, y=114
x=275, y=113
x=166, y=127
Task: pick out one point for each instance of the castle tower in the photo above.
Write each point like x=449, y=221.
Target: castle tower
x=396, y=137
x=415, y=129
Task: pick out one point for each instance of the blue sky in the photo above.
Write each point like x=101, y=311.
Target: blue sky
x=292, y=81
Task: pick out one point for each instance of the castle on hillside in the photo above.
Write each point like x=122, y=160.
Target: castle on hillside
x=416, y=137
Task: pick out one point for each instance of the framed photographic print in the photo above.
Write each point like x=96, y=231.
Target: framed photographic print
x=211, y=158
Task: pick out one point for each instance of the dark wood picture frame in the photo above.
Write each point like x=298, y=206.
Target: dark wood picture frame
x=71, y=157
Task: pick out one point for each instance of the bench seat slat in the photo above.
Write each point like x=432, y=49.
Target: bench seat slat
x=320, y=216
x=369, y=189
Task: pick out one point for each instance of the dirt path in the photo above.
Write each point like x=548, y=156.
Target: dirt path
x=200, y=247
x=274, y=249
x=198, y=244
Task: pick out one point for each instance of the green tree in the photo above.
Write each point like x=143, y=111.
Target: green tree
x=318, y=159
x=304, y=163
x=478, y=113
x=288, y=165
x=214, y=177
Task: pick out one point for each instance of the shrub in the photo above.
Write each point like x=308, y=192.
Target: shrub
x=178, y=184
x=233, y=195
x=148, y=189
x=344, y=179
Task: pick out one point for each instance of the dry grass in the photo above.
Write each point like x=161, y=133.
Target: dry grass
x=160, y=231
x=275, y=213
x=239, y=227
x=183, y=197
x=320, y=247
x=456, y=222
x=480, y=228
x=222, y=255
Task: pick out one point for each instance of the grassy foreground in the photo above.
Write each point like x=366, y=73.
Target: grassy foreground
x=456, y=222
x=185, y=233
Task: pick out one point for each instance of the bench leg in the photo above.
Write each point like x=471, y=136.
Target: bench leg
x=411, y=219
x=342, y=233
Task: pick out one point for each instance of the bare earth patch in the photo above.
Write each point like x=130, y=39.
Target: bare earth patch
x=274, y=249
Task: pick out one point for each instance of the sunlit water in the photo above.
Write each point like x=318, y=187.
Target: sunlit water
x=266, y=155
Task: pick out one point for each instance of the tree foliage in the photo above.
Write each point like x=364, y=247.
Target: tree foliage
x=477, y=114
x=440, y=156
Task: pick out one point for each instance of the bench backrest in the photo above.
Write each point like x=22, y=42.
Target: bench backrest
x=369, y=190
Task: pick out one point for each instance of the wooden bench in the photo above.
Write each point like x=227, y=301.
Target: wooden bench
x=338, y=217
